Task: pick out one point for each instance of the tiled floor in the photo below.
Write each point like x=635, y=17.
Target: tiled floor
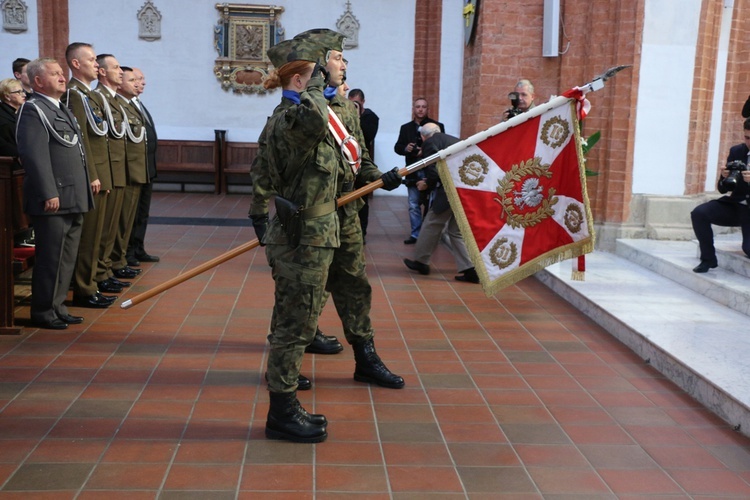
x=517, y=396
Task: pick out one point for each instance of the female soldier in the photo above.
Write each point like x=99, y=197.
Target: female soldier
x=310, y=245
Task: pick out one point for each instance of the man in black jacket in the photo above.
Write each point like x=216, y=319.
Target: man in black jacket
x=727, y=211
x=409, y=145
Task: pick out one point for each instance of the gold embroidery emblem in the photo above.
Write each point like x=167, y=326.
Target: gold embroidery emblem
x=503, y=253
x=473, y=170
x=555, y=132
x=573, y=218
x=531, y=194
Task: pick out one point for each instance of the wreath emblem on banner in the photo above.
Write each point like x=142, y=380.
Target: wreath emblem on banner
x=530, y=195
x=555, y=132
x=473, y=170
x=573, y=218
x=503, y=253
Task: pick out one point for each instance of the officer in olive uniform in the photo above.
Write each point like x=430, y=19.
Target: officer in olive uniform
x=137, y=173
x=318, y=247
x=110, y=78
x=87, y=109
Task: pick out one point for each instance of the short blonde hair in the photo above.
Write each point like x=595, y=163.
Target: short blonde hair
x=6, y=86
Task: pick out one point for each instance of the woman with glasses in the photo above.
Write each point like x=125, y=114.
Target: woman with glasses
x=12, y=97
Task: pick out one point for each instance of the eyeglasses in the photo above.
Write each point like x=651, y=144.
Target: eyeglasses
x=16, y=91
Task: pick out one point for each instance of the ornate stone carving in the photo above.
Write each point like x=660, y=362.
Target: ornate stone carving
x=349, y=26
x=14, y=16
x=241, y=39
x=149, y=22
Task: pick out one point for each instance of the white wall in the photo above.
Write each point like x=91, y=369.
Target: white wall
x=188, y=103
x=670, y=34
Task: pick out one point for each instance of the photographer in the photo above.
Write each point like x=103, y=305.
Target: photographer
x=521, y=99
x=727, y=211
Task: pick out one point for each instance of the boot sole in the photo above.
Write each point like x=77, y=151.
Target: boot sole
x=273, y=434
x=370, y=380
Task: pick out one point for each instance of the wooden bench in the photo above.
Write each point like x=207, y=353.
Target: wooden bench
x=10, y=181
x=188, y=162
x=239, y=157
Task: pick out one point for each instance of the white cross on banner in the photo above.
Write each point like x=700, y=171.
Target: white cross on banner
x=520, y=197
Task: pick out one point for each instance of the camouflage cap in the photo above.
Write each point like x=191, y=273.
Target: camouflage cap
x=327, y=39
x=294, y=50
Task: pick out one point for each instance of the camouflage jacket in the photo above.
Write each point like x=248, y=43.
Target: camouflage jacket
x=299, y=159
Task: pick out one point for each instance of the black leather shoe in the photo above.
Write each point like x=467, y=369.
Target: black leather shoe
x=410, y=240
x=55, y=324
x=417, y=266
x=470, y=276
x=96, y=301
x=132, y=262
x=126, y=273
x=323, y=344
x=71, y=320
x=115, y=281
x=107, y=286
x=303, y=383
x=704, y=266
x=148, y=258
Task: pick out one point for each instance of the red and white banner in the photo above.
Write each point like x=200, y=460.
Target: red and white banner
x=520, y=197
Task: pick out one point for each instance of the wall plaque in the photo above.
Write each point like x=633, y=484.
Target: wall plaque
x=242, y=38
x=14, y=16
x=149, y=22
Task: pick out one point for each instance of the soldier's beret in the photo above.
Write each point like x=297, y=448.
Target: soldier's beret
x=328, y=39
x=294, y=50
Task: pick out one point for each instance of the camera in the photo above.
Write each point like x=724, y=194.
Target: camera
x=514, y=101
x=735, y=168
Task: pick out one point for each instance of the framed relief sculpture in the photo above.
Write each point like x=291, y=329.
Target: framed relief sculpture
x=242, y=38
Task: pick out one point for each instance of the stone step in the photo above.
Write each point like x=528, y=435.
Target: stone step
x=699, y=344
x=728, y=284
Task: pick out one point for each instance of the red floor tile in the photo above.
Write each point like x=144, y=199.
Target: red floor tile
x=516, y=396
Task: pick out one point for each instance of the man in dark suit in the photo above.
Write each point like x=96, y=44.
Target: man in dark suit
x=439, y=214
x=87, y=107
x=136, y=249
x=56, y=191
x=727, y=211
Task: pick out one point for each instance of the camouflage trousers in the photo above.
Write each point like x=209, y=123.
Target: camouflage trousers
x=302, y=276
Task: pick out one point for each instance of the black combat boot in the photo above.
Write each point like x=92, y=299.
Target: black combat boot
x=324, y=344
x=287, y=420
x=313, y=418
x=370, y=368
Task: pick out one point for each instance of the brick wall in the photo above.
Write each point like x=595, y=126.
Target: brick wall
x=53, y=29
x=427, y=38
x=701, y=106
x=738, y=79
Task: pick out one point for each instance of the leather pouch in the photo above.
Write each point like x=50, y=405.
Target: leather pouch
x=289, y=215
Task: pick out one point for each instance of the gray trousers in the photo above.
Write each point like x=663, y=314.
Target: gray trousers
x=429, y=237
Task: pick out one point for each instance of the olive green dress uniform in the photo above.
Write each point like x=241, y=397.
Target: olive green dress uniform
x=79, y=99
x=137, y=175
x=116, y=142
x=306, y=166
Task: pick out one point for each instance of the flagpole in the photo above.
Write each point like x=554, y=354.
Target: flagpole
x=578, y=92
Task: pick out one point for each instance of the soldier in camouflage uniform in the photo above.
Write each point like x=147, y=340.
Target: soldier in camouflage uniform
x=306, y=166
